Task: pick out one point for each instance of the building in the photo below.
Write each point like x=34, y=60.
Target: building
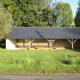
x=43, y=38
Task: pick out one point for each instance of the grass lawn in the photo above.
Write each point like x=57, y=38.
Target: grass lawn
x=39, y=61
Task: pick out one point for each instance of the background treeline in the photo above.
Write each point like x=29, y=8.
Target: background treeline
x=77, y=17
x=39, y=13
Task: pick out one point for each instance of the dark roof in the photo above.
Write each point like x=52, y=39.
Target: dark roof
x=40, y=33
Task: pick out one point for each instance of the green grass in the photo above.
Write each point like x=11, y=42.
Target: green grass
x=39, y=61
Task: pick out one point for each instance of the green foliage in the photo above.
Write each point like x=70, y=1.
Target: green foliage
x=9, y=5
x=6, y=3
x=39, y=13
x=24, y=14
x=5, y=21
x=29, y=13
x=45, y=12
x=40, y=61
x=77, y=17
x=63, y=14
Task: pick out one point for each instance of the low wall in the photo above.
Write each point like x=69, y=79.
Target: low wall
x=10, y=44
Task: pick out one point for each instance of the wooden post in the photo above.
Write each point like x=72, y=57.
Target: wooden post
x=50, y=43
x=29, y=42
x=23, y=43
x=72, y=42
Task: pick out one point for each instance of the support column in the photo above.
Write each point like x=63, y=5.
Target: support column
x=72, y=41
x=29, y=41
x=23, y=43
x=50, y=43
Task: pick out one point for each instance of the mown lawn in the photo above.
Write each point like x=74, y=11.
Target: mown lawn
x=39, y=61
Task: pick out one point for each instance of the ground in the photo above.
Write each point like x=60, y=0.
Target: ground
x=41, y=77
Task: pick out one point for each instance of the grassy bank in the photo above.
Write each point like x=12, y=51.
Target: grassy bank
x=39, y=61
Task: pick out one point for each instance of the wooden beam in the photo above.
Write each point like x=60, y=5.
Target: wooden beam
x=26, y=40
x=29, y=41
x=50, y=42
x=72, y=41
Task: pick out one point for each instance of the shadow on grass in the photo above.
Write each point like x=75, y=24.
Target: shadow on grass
x=2, y=46
x=77, y=50
x=67, y=62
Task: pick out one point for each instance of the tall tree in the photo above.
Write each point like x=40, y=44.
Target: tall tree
x=63, y=14
x=77, y=17
x=9, y=5
x=25, y=14
x=30, y=13
x=45, y=12
x=5, y=21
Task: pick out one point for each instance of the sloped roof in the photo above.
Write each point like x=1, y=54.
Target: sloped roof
x=41, y=33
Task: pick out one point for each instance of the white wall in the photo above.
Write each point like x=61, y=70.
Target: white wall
x=10, y=44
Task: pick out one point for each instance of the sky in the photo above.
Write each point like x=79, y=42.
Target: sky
x=73, y=4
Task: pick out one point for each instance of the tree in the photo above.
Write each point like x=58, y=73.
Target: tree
x=30, y=13
x=25, y=14
x=5, y=21
x=63, y=15
x=77, y=17
x=9, y=5
x=45, y=12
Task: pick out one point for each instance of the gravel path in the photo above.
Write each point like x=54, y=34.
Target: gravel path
x=41, y=77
